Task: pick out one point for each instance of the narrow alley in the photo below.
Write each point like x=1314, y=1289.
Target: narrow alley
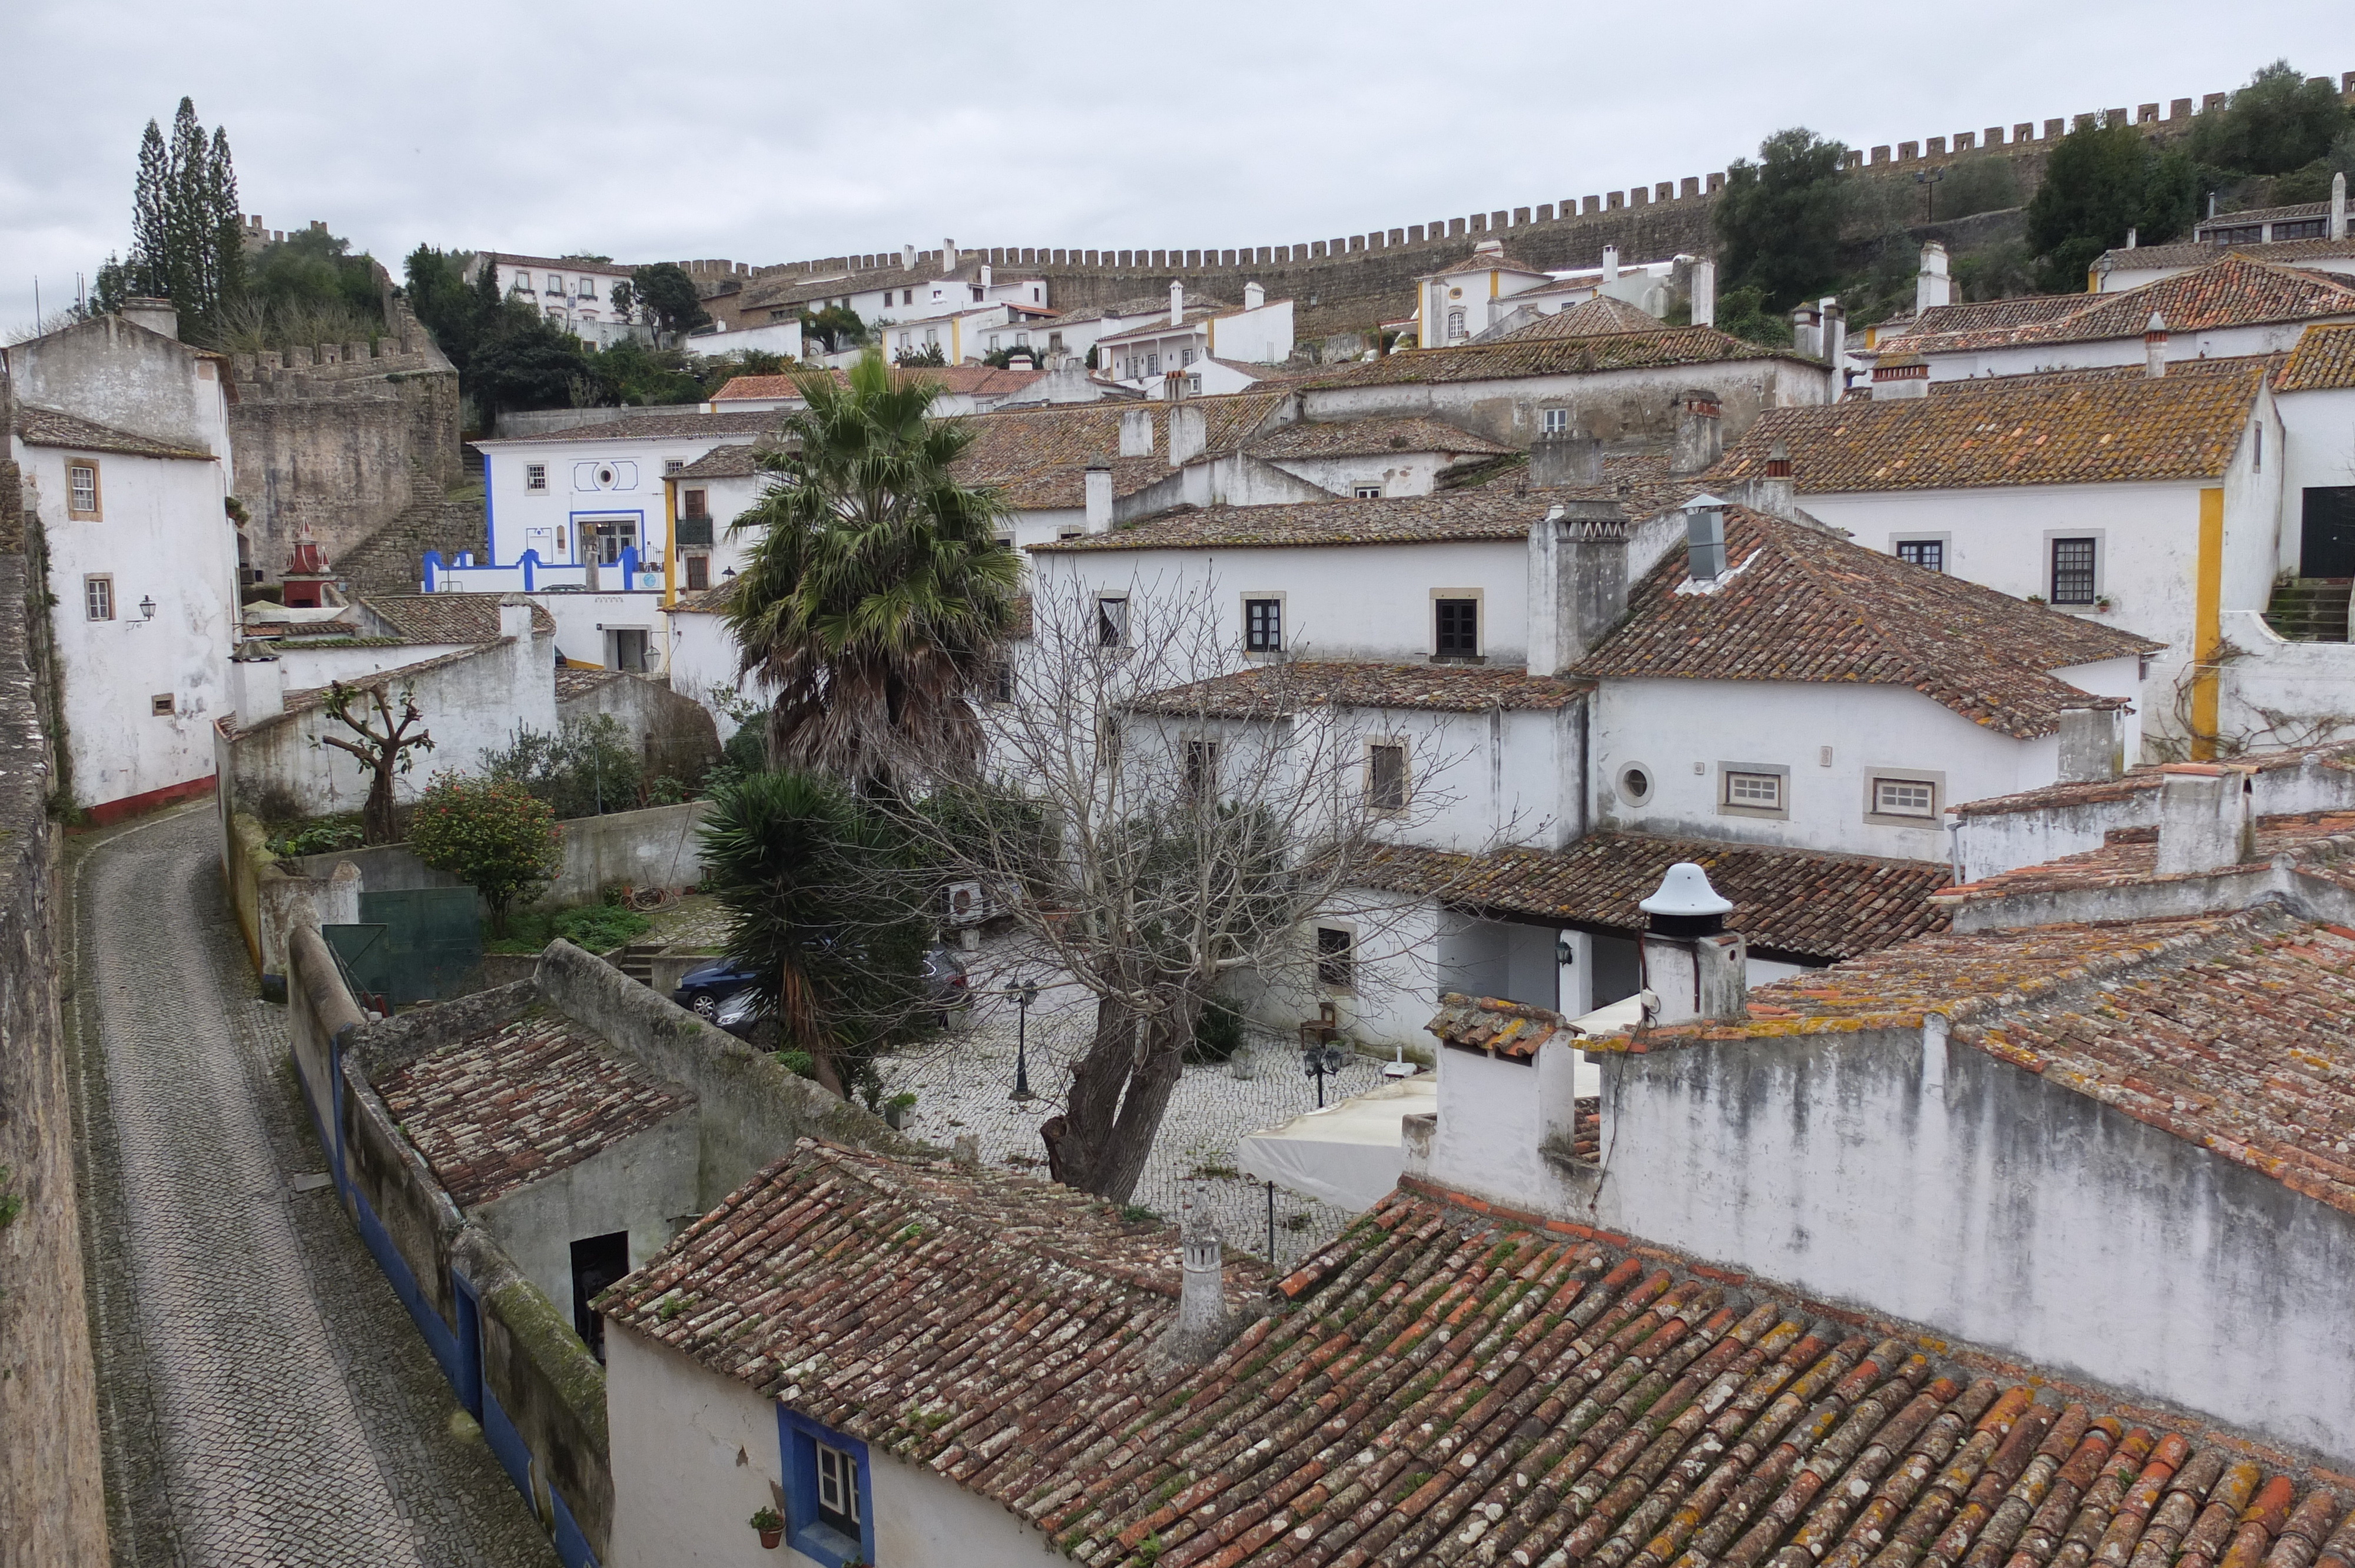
x=264, y=1396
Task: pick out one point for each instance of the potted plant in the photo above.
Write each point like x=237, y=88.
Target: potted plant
x=772, y=1526
x=895, y=1109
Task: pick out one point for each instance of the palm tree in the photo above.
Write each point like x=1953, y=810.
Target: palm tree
x=876, y=594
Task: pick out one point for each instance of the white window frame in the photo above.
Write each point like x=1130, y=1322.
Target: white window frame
x=1553, y=421
x=1928, y=821
x=98, y=595
x=535, y=477
x=1364, y=491
x=1728, y=806
x=96, y=511
x=840, y=1479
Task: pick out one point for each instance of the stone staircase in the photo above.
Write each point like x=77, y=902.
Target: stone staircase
x=390, y=559
x=2310, y=610
x=637, y=961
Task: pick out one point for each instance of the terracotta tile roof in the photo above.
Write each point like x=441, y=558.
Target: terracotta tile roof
x=514, y=1104
x=2072, y=428
x=1800, y=904
x=2232, y=1031
x=569, y=263
x=1512, y=356
x=2198, y=253
x=1478, y=260
x=741, y=461
x=1486, y=513
x=2231, y=291
x=51, y=427
x=1064, y=486
x=2130, y=855
x=712, y=601
x=798, y=288
x=1500, y=1028
x=572, y=683
x=1195, y=315
x=2324, y=358
x=1985, y=314
x=1015, y=441
x=932, y=1308
x=686, y=425
x=1270, y=691
x=1800, y=604
x=449, y=617
x=1371, y=438
x=2340, y=755
x=1597, y=317
x=1440, y=1384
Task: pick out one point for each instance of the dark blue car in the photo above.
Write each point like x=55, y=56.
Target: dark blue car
x=701, y=990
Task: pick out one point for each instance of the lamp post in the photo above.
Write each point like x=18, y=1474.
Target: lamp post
x=1318, y=1060
x=1024, y=995
x=1929, y=179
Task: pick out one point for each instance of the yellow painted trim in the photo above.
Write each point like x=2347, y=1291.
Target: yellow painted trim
x=2207, y=624
x=1495, y=287
x=1212, y=327
x=956, y=339
x=670, y=542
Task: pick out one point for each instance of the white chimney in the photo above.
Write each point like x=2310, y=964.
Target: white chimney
x=2133, y=238
x=1835, y=341
x=1099, y=498
x=515, y=616
x=1901, y=376
x=1137, y=432
x=1177, y=303
x=985, y=274
x=949, y=257
x=1704, y=292
x=2338, y=206
x=1200, y=1327
x=1807, y=330
x=2205, y=821
x=1188, y=433
x=155, y=315
x=2153, y=346
x=1932, y=286
x=1610, y=263
x=1692, y=966
x=257, y=684
x=907, y=257
x=1255, y=296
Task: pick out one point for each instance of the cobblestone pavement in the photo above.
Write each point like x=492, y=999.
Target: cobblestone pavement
x=964, y=1081
x=265, y=1398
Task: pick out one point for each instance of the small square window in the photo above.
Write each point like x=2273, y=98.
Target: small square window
x=588, y=287
x=1555, y=422
x=1904, y=798
x=1386, y=777
x=535, y=476
x=1369, y=493
x=160, y=705
x=1930, y=555
x=698, y=573
x=1757, y=791
x=81, y=489
x=2073, y=571
x=1111, y=622
x=672, y=465
x=98, y=597
x=1262, y=626
x=1336, y=958
x=1456, y=631
x=695, y=502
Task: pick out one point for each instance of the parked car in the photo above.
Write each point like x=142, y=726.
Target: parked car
x=703, y=991
x=719, y=990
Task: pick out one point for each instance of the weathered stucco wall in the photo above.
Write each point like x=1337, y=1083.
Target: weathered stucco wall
x=653, y=848
x=1929, y=1180
x=51, y=1506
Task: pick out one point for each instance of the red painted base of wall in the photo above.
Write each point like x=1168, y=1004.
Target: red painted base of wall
x=113, y=811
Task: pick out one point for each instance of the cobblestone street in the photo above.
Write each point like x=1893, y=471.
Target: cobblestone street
x=265, y=1398
x=964, y=1081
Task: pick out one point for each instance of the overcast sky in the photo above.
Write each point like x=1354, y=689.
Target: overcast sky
x=771, y=133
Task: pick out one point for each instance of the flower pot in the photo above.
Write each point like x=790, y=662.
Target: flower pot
x=770, y=1538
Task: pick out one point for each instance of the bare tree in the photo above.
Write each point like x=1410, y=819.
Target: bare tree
x=1158, y=816
x=381, y=742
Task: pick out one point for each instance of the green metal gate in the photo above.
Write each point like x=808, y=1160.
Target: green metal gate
x=417, y=944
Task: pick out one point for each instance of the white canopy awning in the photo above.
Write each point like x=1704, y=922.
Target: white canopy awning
x=1349, y=1154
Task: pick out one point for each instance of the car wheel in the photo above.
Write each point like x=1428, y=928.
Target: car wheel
x=706, y=1006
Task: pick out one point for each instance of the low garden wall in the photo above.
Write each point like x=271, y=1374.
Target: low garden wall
x=655, y=847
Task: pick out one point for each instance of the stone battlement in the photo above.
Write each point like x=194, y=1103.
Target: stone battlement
x=1603, y=212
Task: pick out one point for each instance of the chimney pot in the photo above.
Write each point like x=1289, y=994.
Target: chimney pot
x=1099, y=497
x=1137, y=432
x=155, y=314
x=1702, y=287
x=1255, y=296
x=2338, y=206
x=1932, y=286
x=2204, y=821
x=1699, y=433
x=2092, y=744
x=1201, y=1323
x=2153, y=346
x=1176, y=301
x=1692, y=966
x=949, y=257
x=1571, y=458
x=1610, y=263
x=1187, y=434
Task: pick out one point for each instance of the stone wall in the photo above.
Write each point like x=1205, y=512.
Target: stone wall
x=1353, y=281
x=52, y=1508
x=655, y=847
x=342, y=438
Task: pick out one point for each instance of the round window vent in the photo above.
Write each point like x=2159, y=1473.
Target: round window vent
x=604, y=476
x=1635, y=784
x=1454, y=293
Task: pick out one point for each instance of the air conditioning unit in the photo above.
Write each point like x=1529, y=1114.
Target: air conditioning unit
x=966, y=906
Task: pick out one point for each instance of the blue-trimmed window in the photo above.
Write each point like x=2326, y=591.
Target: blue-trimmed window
x=829, y=1498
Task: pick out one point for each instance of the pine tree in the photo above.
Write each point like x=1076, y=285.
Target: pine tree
x=188, y=242
x=228, y=247
x=187, y=232
x=151, y=209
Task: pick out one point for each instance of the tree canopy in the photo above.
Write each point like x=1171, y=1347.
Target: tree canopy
x=1779, y=218
x=875, y=591
x=667, y=297
x=187, y=237
x=2099, y=182
x=2280, y=122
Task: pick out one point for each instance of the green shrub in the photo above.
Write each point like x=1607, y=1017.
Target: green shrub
x=320, y=836
x=1218, y=1034
x=587, y=766
x=595, y=928
x=489, y=832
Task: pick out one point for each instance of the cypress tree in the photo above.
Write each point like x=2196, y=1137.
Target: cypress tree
x=227, y=247
x=151, y=206
x=188, y=237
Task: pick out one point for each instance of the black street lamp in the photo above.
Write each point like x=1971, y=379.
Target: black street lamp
x=1318, y=1060
x=1928, y=179
x=1024, y=996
